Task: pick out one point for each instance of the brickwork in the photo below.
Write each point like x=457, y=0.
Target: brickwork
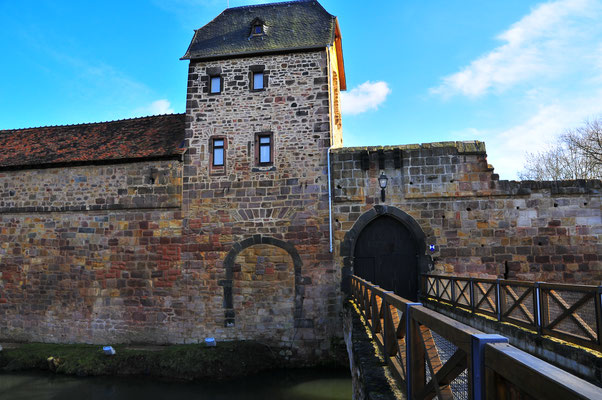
x=177, y=250
x=155, y=184
x=285, y=201
x=173, y=252
x=264, y=293
x=480, y=226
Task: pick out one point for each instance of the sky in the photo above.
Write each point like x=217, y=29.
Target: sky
x=512, y=73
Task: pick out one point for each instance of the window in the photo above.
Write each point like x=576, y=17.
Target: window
x=257, y=27
x=264, y=149
x=218, y=152
x=258, y=80
x=215, y=84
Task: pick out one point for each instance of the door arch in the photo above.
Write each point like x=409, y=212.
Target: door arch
x=387, y=247
x=386, y=255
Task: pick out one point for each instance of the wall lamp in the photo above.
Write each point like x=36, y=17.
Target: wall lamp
x=382, y=182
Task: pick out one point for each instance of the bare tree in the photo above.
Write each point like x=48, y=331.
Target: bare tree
x=577, y=154
x=587, y=140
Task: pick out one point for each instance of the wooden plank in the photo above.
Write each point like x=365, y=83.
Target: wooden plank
x=456, y=332
x=568, y=288
x=445, y=375
x=390, y=329
x=570, y=312
x=401, y=355
x=434, y=363
x=463, y=295
x=485, y=297
x=417, y=359
x=518, y=302
x=535, y=377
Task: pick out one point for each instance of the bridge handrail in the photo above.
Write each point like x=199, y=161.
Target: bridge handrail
x=410, y=336
x=569, y=312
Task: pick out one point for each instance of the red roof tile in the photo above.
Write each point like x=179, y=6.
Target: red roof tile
x=147, y=137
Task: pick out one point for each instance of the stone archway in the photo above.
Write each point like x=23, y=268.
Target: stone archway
x=229, y=264
x=348, y=247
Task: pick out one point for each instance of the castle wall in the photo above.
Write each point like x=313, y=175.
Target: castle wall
x=480, y=226
x=86, y=253
x=173, y=252
x=155, y=184
x=177, y=251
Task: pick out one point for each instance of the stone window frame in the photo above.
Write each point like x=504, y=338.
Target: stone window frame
x=259, y=135
x=214, y=72
x=253, y=69
x=217, y=169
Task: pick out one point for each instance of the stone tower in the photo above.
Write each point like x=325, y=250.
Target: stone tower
x=262, y=112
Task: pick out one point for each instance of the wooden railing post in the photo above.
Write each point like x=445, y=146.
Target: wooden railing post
x=598, y=301
x=502, y=302
x=388, y=328
x=544, y=307
x=472, y=299
x=498, y=300
x=453, y=281
x=476, y=369
x=537, y=307
x=415, y=368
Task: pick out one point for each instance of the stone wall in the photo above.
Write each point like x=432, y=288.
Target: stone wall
x=242, y=204
x=153, y=184
x=264, y=293
x=237, y=252
x=479, y=225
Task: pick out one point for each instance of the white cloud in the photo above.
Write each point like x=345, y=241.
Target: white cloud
x=506, y=148
x=547, y=42
x=367, y=96
x=157, y=107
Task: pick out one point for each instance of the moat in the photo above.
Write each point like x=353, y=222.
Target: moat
x=295, y=384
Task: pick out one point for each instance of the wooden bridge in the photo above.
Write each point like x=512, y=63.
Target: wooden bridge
x=432, y=355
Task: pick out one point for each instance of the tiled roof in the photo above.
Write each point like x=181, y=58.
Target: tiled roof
x=293, y=25
x=128, y=139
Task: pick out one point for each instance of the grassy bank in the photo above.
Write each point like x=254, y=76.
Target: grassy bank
x=183, y=362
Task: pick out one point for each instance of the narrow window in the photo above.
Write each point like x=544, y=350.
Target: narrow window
x=257, y=80
x=215, y=84
x=257, y=30
x=218, y=152
x=265, y=149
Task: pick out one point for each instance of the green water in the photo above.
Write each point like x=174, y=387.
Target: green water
x=302, y=384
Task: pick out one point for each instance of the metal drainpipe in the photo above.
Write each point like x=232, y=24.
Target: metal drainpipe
x=330, y=123
x=329, y=199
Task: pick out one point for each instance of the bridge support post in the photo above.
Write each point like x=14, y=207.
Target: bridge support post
x=410, y=357
x=477, y=365
x=537, y=307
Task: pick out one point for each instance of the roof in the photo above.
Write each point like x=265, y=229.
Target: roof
x=292, y=25
x=157, y=136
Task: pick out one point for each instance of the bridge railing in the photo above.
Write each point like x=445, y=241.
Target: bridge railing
x=569, y=312
x=434, y=356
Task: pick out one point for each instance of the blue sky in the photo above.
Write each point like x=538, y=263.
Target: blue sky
x=513, y=73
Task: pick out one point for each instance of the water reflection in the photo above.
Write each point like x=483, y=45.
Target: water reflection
x=305, y=384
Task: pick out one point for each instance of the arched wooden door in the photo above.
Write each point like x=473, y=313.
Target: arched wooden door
x=386, y=255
